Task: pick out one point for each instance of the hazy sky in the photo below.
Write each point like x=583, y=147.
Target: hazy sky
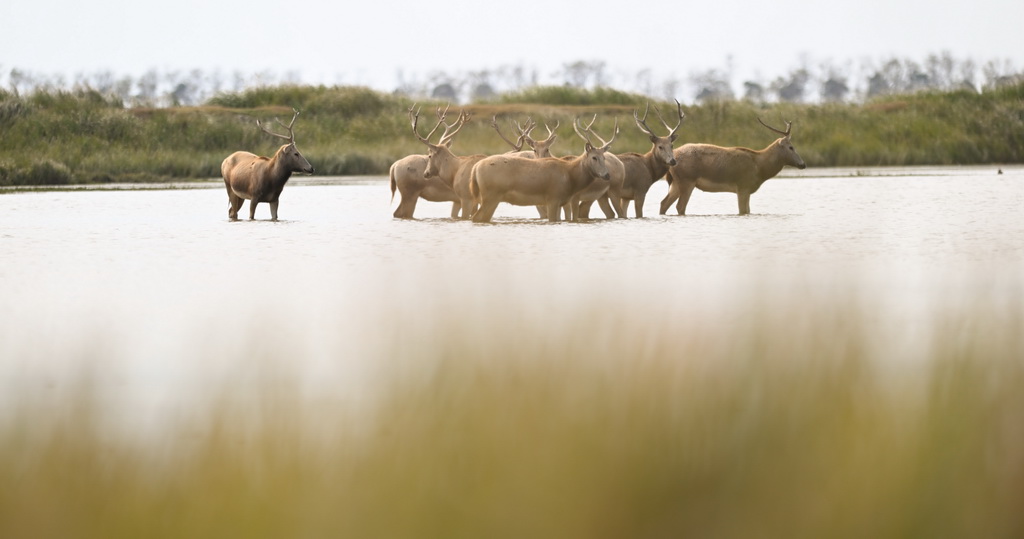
x=371, y=41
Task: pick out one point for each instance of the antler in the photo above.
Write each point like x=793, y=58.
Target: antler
x=448, y=135
x=414, y=116
x=642, y=122
x=588, y=130
x=551, y=131
x=291, y=134
x=789, y=127
x=523, y=133
x=583, y=131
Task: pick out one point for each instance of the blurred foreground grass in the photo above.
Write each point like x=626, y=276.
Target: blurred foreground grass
x=777, y=424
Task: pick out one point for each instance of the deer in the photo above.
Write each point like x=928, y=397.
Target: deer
x=546, y=181
x=539, y=148
x=251, y=177
x=716, y=169
x=407, y=175
x=444, y=166
x=582, y=201
x=643, y=170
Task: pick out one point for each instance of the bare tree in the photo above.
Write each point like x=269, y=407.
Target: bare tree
x=792, y=88
x=583, y=74
x=711, y=85
x=753, y=92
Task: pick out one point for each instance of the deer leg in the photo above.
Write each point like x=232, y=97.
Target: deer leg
x=468, y=208
x=684, y=196
x=542, y=212
x=234, y=204
x=744, y=202
x=485, y=212
x=606, y=207
x=407, y=206
x=273, y=210
x=252, y=207
x=456, y=208
x=581, y=210
x=638, y=204
x=616, y=203
x=555, y=213
x=672, y=196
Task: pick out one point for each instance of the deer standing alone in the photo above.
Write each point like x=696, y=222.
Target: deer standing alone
x=251, y=177
x=548, y=181
x=643, y=170
x=716, y=169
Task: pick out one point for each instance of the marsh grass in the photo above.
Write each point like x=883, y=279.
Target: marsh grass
x=787, y=422
x=83, y=136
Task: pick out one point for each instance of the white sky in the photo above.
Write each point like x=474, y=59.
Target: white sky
x=370, y=41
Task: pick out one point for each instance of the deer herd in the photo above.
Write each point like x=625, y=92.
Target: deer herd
x=477, y=184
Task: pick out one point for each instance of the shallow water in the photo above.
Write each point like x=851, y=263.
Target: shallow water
x=162, y=288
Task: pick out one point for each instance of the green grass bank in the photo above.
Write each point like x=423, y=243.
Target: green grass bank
x=71, y=137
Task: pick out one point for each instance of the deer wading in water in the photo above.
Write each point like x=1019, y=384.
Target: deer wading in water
x=251, y=177
x=547, y=181
x=727, y=170
x=408, y=174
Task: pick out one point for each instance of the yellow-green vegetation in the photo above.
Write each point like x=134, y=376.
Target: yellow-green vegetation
x=790, y=423
x=61, y=137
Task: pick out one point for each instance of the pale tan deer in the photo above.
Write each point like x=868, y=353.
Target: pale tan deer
x=444, y=166
x=643, y=170
x=460, y=180
x=539, y=148
x=407, y=175
x=524, y=132
x=582, y=201
x=545, y=181
x=734, y=170
x=248, y=176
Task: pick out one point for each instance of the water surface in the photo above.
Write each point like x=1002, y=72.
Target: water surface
x=159, y=286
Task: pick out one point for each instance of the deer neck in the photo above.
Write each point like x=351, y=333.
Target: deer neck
x=770, y=161
x=579, y=177
x=449, y=165
x=280, y=171
x=656, y=166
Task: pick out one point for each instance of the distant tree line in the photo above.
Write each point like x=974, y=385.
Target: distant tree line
x=810, y=82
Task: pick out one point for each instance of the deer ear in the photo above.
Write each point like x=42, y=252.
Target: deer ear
x=672, y=137
x=653, y=138
x=588, y=147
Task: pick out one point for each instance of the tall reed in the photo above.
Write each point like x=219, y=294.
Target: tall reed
x=787, y=422
x=82, y=136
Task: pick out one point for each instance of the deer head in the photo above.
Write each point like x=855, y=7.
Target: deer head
x=662, y=145
x=443, y=147
x=594, y=155
x=785, y=144
x=289, y=153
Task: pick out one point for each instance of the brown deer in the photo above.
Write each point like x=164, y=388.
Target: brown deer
x=715, y=169
x=248, y=176
x=408, y=173
x=545, y=181
x=643, y=170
